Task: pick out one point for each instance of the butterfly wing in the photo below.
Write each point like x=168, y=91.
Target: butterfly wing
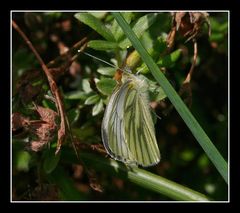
x=113, y=131
x=127, y=129
x=139, y=127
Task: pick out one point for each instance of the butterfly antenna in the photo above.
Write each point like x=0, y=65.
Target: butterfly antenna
x=99, y=59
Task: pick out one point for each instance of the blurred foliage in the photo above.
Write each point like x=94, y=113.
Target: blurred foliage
x=86, y=86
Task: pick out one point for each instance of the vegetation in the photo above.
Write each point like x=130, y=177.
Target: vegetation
x=60, y=91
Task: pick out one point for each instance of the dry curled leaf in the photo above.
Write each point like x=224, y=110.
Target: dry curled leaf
x=43, y=129
x=19, y=121
x=188, y=24
x=46, y=114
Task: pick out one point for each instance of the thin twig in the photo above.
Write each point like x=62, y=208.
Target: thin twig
x=53, y=87
x=82, y=42
x=189, y=76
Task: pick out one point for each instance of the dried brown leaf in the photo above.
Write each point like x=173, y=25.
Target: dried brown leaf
x=190, y=24
x=19, y=121
x=46, y=114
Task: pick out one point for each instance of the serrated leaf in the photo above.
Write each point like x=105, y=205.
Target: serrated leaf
x=106, y=86
x=92, y=100
x=95, y=24
x=108, y=71
x=97, y=108
x=50, y=161
x=75, y=95
x=139, y=28
x=102, y=45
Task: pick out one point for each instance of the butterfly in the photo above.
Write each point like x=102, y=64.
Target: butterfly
x=128, y=132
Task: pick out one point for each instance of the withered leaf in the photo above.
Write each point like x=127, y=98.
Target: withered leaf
x=190, y=24
x=43, y=129
x=46, y=114
x=19, y=121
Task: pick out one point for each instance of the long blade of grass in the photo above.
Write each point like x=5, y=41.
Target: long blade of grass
x=182, y=109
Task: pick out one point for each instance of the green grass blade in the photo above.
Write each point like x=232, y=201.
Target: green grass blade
x=137, y=176
x=182, y=109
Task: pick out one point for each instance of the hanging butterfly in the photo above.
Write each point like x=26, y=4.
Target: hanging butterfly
x=128, y=132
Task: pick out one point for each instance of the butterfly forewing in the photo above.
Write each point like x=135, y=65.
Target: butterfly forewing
x=127, y=129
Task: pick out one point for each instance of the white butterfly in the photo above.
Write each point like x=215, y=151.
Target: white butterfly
x=128, y=132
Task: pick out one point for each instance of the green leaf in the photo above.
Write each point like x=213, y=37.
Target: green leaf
x=218, y=37
x=187, y=155
x=102, y=45
x=117, y=30
x=139, y=28
x=108, y=71
x=85, y=132
x=73, y=115
x=97, y=108
x=75, y=95
x=23, y=160
x=92, y=100
x=86, y=86
x=22, y=60
x=166, y=61
x=180, y=106
x=95, y=24
x=203, y=161
x=170, y=59
x=50, y=161
x=156, y=92
x=98, y=15
x=106, y=86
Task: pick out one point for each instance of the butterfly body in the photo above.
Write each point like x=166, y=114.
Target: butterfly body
x=127, y=129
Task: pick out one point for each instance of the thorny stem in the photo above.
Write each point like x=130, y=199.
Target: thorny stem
x=52, y=84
